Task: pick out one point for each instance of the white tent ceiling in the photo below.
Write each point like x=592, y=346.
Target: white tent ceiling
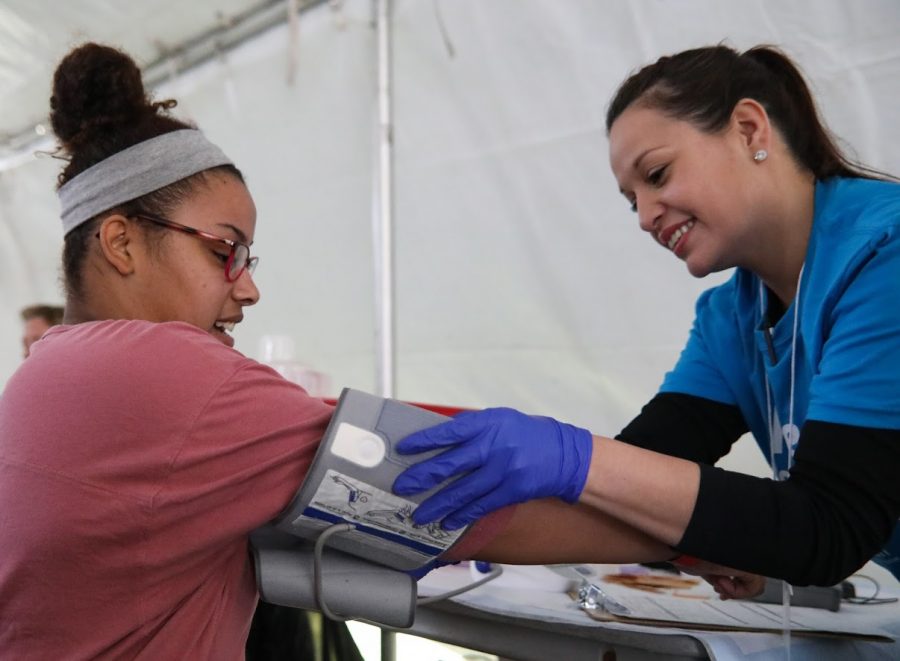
x=35, y=34
x=521, y=277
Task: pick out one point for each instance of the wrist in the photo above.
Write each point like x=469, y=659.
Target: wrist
x=685, y=561
x=581, y=449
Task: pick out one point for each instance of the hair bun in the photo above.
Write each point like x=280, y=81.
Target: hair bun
x=95, y=88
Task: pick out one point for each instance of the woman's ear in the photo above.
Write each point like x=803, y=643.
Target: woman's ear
x=751, y=121
x=116, y=237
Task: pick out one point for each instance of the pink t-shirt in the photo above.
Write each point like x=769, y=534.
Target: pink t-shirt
x=134, y=459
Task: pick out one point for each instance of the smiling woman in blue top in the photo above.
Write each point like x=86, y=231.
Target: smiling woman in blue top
x=725, y=161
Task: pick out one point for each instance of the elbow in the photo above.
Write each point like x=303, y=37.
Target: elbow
x=835, y=552
x=825, y=575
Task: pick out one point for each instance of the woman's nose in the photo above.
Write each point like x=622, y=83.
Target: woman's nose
x=245, y=289
x=649, y=212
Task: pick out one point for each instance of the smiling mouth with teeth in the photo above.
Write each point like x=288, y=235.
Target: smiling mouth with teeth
x=677, y=234
x=224, y=326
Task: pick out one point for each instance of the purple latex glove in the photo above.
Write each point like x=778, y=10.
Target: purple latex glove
x=504, y=457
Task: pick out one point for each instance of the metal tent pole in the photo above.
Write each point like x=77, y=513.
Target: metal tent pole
x=383, y=207
x=382, y=240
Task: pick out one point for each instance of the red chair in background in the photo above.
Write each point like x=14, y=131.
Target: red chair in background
x=449, y=411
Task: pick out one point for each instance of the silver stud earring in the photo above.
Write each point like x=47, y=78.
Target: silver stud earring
x=760, y=156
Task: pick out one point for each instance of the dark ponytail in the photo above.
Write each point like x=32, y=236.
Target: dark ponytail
x=98, y=108
x=703, y=85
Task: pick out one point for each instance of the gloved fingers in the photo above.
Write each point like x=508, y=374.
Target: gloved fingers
x=455, y=496
x=430, y=472
x=462, y=428
x=475, y=510
x=442, y=435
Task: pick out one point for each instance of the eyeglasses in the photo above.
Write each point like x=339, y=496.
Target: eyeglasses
x=238, y=257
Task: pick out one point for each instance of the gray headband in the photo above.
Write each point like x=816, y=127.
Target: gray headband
x=136, y=171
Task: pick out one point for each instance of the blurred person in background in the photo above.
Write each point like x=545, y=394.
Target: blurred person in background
x=36, y=319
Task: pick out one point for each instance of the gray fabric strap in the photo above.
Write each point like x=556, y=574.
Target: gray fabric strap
x=136, y=171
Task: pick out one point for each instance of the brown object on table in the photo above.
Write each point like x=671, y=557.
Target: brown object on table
x=651, y=582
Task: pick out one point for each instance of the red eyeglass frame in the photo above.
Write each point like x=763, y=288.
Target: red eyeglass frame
x=233, y=246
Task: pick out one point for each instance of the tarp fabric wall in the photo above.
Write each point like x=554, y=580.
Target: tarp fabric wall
x=522, y=277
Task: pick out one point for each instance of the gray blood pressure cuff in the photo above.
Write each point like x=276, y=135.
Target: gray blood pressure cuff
x=349, y=482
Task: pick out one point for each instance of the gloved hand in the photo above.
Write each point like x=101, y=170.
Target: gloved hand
x=507, y=457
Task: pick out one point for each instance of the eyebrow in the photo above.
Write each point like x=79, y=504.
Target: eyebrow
x=641, y=156
x=241, y=237
x=638, y=159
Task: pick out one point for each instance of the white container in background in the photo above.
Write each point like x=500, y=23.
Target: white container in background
x=277, y=351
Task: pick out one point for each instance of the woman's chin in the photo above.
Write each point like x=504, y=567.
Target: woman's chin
x=700, y=268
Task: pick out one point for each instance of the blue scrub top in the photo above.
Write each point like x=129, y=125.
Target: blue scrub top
x=846, y=366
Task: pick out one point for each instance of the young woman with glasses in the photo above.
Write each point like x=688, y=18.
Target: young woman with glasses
x=138, y=449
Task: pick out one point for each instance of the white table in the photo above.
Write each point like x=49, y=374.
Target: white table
x=537, y=621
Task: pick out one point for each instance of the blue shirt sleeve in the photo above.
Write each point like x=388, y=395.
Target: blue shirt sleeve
x=699, y=371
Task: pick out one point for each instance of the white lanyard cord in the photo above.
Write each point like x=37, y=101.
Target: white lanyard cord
x=769, y=422
x=786, y=590
x=791, y=442
x=769, y=407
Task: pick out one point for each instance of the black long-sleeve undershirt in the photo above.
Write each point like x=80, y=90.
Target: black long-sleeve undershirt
x=835, y=512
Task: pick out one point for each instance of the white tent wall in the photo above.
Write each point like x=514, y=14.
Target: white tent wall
x=521, y=277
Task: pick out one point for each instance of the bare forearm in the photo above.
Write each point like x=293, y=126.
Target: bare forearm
x=551, y=531
x=652, y=492
x=636, y=503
